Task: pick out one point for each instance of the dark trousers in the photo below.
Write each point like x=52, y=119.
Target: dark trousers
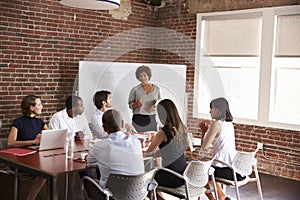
x=167, y=179
x=86, y=173
x=226, y=173
x=143, y=123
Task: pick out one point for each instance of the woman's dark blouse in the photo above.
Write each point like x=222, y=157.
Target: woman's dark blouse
x=173, y=155
x=28, y=127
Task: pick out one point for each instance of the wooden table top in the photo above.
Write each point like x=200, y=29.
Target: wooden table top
x=50, y=162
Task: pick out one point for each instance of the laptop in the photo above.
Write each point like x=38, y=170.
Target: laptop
x=51, y=139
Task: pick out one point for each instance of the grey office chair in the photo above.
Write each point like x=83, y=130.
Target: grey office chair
x=121, y=187
x=6, y=176
x=129, y=187
x=195, y=176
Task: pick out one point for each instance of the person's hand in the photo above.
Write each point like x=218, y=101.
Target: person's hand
x=37, y=139
x=153, y=108
x=139, y=103
x=130, y=129
x=145, y=153
x=203, y=125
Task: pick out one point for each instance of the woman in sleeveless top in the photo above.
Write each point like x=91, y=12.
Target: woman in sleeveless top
x=220, y=135
x=172, y=141
x=26, y=130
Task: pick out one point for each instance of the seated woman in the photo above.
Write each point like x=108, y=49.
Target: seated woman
x=221, y=135
x=172, y=141
x=26, y=130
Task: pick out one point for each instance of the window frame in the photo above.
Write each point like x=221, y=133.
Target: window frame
x=266, y=58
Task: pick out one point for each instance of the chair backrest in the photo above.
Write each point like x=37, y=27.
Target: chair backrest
x=91, y=189
x=3, y=143
x=197, y=172
x=130, y=187
x=242, y=162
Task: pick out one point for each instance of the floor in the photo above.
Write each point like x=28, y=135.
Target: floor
x=274, y=188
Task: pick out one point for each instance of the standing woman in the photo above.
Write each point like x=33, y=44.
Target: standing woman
x=142, y=100
x=26, y=130
x=173, y=141
x=221, y=135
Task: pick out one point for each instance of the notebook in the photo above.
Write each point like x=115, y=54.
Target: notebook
x=51, y=139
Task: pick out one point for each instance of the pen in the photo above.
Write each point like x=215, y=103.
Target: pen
x=54, y=154
x=57, y=154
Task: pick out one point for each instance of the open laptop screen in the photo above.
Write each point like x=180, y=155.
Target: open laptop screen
x=51, y=139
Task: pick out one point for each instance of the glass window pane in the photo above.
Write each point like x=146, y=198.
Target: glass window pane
x=288, y=36
x=230, y=65
x=231, y=37
x=240, y=85
x=285, y=79
x=285, y=96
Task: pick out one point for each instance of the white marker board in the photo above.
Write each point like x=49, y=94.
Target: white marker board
x=119, y=78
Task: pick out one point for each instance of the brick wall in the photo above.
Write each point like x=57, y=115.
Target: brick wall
x=42, y=42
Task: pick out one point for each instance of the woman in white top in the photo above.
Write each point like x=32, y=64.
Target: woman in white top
x=220, y=135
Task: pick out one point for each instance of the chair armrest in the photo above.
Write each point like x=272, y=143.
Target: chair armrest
x=172, y=172
x=152, y=185
x=8, y=172
x=107, y=191
x=254, y=162
x=4, y=172
x=227, y=165
x=211, y=171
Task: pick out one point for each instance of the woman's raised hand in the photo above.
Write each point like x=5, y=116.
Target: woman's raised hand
x=203, y=125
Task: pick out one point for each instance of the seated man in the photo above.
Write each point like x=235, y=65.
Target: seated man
x=119, y=153
x=72, y=118
x=103, y=101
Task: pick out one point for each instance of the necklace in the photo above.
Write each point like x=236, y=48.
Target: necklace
x=147, y=88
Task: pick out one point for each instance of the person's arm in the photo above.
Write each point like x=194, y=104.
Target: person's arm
x=133, y=101
x=190, y=143
x=213, y=130
x=91, y=159
x=156, y=101
x=159, y=94
x=137, y=104
x=97, y=127
x=158, y=139
x=86, y=129
x=12, y=139
x=129, y=129
x=45, y=127
x=54, y=122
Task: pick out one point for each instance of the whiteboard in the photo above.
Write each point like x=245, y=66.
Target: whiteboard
x=119, y=78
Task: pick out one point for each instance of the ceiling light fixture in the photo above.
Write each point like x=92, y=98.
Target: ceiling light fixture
x=92, y=4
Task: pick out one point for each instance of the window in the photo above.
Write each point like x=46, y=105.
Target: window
x=285, y=79
x=251, y=57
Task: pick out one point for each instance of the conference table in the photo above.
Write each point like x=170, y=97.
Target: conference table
x=49, y=164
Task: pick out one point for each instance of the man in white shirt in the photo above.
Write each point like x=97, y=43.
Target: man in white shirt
x=119, y=153
x=72, y=118
x=102, y=101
